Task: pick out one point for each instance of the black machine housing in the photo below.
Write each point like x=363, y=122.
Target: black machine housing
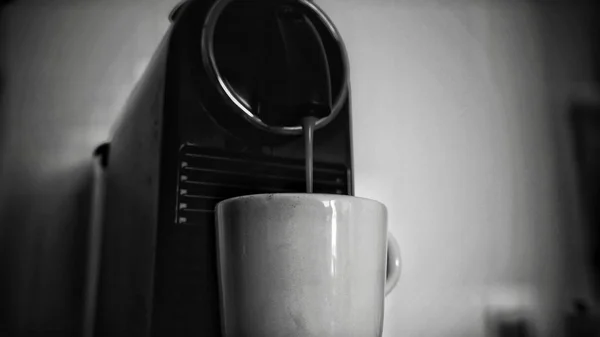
x=179, y=149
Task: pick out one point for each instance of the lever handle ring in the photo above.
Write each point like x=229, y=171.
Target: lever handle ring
x=243, y=107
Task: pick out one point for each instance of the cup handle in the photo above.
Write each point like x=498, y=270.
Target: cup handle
x=393, y=264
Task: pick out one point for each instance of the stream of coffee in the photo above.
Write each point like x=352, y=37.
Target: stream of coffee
x=308, y=127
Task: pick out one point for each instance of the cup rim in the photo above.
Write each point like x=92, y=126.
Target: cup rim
x=299, y=194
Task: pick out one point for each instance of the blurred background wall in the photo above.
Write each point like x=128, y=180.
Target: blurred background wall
x=460, y=128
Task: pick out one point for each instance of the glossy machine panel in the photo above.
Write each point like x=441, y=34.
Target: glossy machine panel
x=177, y=151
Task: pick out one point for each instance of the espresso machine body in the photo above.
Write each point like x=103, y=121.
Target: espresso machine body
x=180, y=147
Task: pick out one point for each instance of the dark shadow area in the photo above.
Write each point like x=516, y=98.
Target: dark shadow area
x=3, y=52
x=583, y=119
x=581, y=322
x=595, y=37
x=520, y=328
x=585, y=125
x=2, y=84
x=509, y=324
x=570, y=57
x=9, y=233
x=43, y=254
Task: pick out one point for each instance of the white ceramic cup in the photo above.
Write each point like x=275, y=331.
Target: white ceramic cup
x=304, y=265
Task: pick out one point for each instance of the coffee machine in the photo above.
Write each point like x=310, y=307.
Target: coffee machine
x=215, y=115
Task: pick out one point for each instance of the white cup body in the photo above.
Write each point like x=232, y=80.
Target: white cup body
x=301, y=265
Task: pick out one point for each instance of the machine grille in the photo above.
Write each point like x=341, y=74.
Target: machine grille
x=208, y=176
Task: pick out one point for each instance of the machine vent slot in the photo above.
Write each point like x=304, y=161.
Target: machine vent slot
x=208, y=176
